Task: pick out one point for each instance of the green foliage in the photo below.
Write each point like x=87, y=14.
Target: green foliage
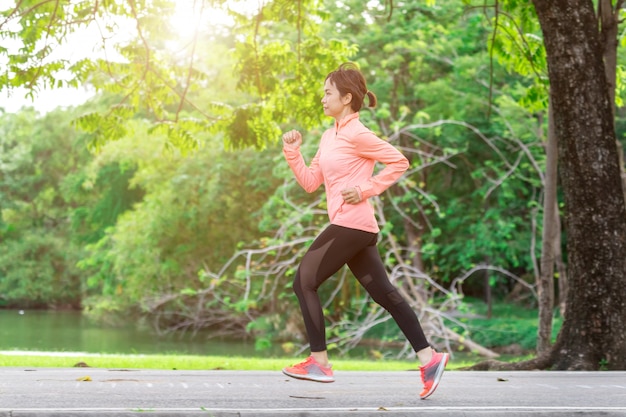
x=195, y=210
x=113, y=196
x=510, y=324
x=476, y=173
x=517, y=43
x=282, y=61
x=38, y=270
x=185, y=168
x=282, y=57
x=152, y=219
x=37, y=260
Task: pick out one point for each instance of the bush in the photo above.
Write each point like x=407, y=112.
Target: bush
x=510, y=324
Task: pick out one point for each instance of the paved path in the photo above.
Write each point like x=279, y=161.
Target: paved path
x=115, y=392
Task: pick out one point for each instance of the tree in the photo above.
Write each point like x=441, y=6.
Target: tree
x=609, y=19
x=37, y=257
x=592, y=334
x=516, y=41
x=161, y=82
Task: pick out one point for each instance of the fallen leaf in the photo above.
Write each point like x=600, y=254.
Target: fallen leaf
x=84, y=378
x=81, y=365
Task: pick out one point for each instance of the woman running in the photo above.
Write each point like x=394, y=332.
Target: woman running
x=344, y=163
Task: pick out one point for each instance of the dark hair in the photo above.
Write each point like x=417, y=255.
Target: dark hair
x=349, y=79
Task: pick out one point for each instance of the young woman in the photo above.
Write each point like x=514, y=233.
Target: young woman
x=344, y=163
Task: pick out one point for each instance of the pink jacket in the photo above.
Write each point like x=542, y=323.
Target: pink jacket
x=345, y=158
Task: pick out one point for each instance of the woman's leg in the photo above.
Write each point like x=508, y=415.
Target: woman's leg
x=370, y=271
x=368, y=268
x=332, y=249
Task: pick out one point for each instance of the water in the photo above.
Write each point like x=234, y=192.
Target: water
x=69, y=331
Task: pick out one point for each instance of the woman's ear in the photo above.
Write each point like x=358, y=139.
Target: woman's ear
x=347, y=99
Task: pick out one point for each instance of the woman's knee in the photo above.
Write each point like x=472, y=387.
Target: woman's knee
x=304, y=282
x=387, y=298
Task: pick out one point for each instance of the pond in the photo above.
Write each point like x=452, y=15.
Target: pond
x=70, y=331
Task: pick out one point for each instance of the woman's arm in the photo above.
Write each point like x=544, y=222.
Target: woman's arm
x=309, y=178
x=372, y=147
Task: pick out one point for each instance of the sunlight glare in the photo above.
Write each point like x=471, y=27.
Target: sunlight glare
x=191, y=15
x=186, y=18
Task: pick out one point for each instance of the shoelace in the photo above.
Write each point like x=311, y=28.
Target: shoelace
x=305, y=363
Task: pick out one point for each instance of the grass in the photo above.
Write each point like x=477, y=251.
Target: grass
x=230, y=363
x=189, y=362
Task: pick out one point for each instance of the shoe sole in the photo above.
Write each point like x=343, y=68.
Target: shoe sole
x=438, y=375
x=314, y=378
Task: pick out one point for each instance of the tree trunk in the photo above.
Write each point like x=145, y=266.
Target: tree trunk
x=550, y=239
x=562, y=272
x=609, y=21
x=593, y=331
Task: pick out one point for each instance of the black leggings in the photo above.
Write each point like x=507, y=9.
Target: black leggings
x=333, y=248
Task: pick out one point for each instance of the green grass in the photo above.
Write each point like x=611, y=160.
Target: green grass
x=188, y=362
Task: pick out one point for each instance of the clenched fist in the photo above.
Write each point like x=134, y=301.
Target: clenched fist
x=292, y=139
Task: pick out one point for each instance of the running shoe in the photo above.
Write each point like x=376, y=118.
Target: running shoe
x=432, y=372
x=310, y=370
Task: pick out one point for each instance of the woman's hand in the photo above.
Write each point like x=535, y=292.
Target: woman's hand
x=292, y=139
x=351, y=195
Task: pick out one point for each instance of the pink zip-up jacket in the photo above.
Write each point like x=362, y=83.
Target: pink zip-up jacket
x=345, y=158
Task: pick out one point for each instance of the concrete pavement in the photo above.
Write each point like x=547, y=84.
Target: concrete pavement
x=96, y=392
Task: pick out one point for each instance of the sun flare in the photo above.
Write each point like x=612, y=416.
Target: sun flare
x=190, y=16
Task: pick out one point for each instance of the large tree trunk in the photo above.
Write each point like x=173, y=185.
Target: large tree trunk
x=593, y=330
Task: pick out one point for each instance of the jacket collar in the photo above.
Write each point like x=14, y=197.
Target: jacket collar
x=346, y=120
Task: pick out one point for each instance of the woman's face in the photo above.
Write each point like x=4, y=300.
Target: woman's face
x=334, y=104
